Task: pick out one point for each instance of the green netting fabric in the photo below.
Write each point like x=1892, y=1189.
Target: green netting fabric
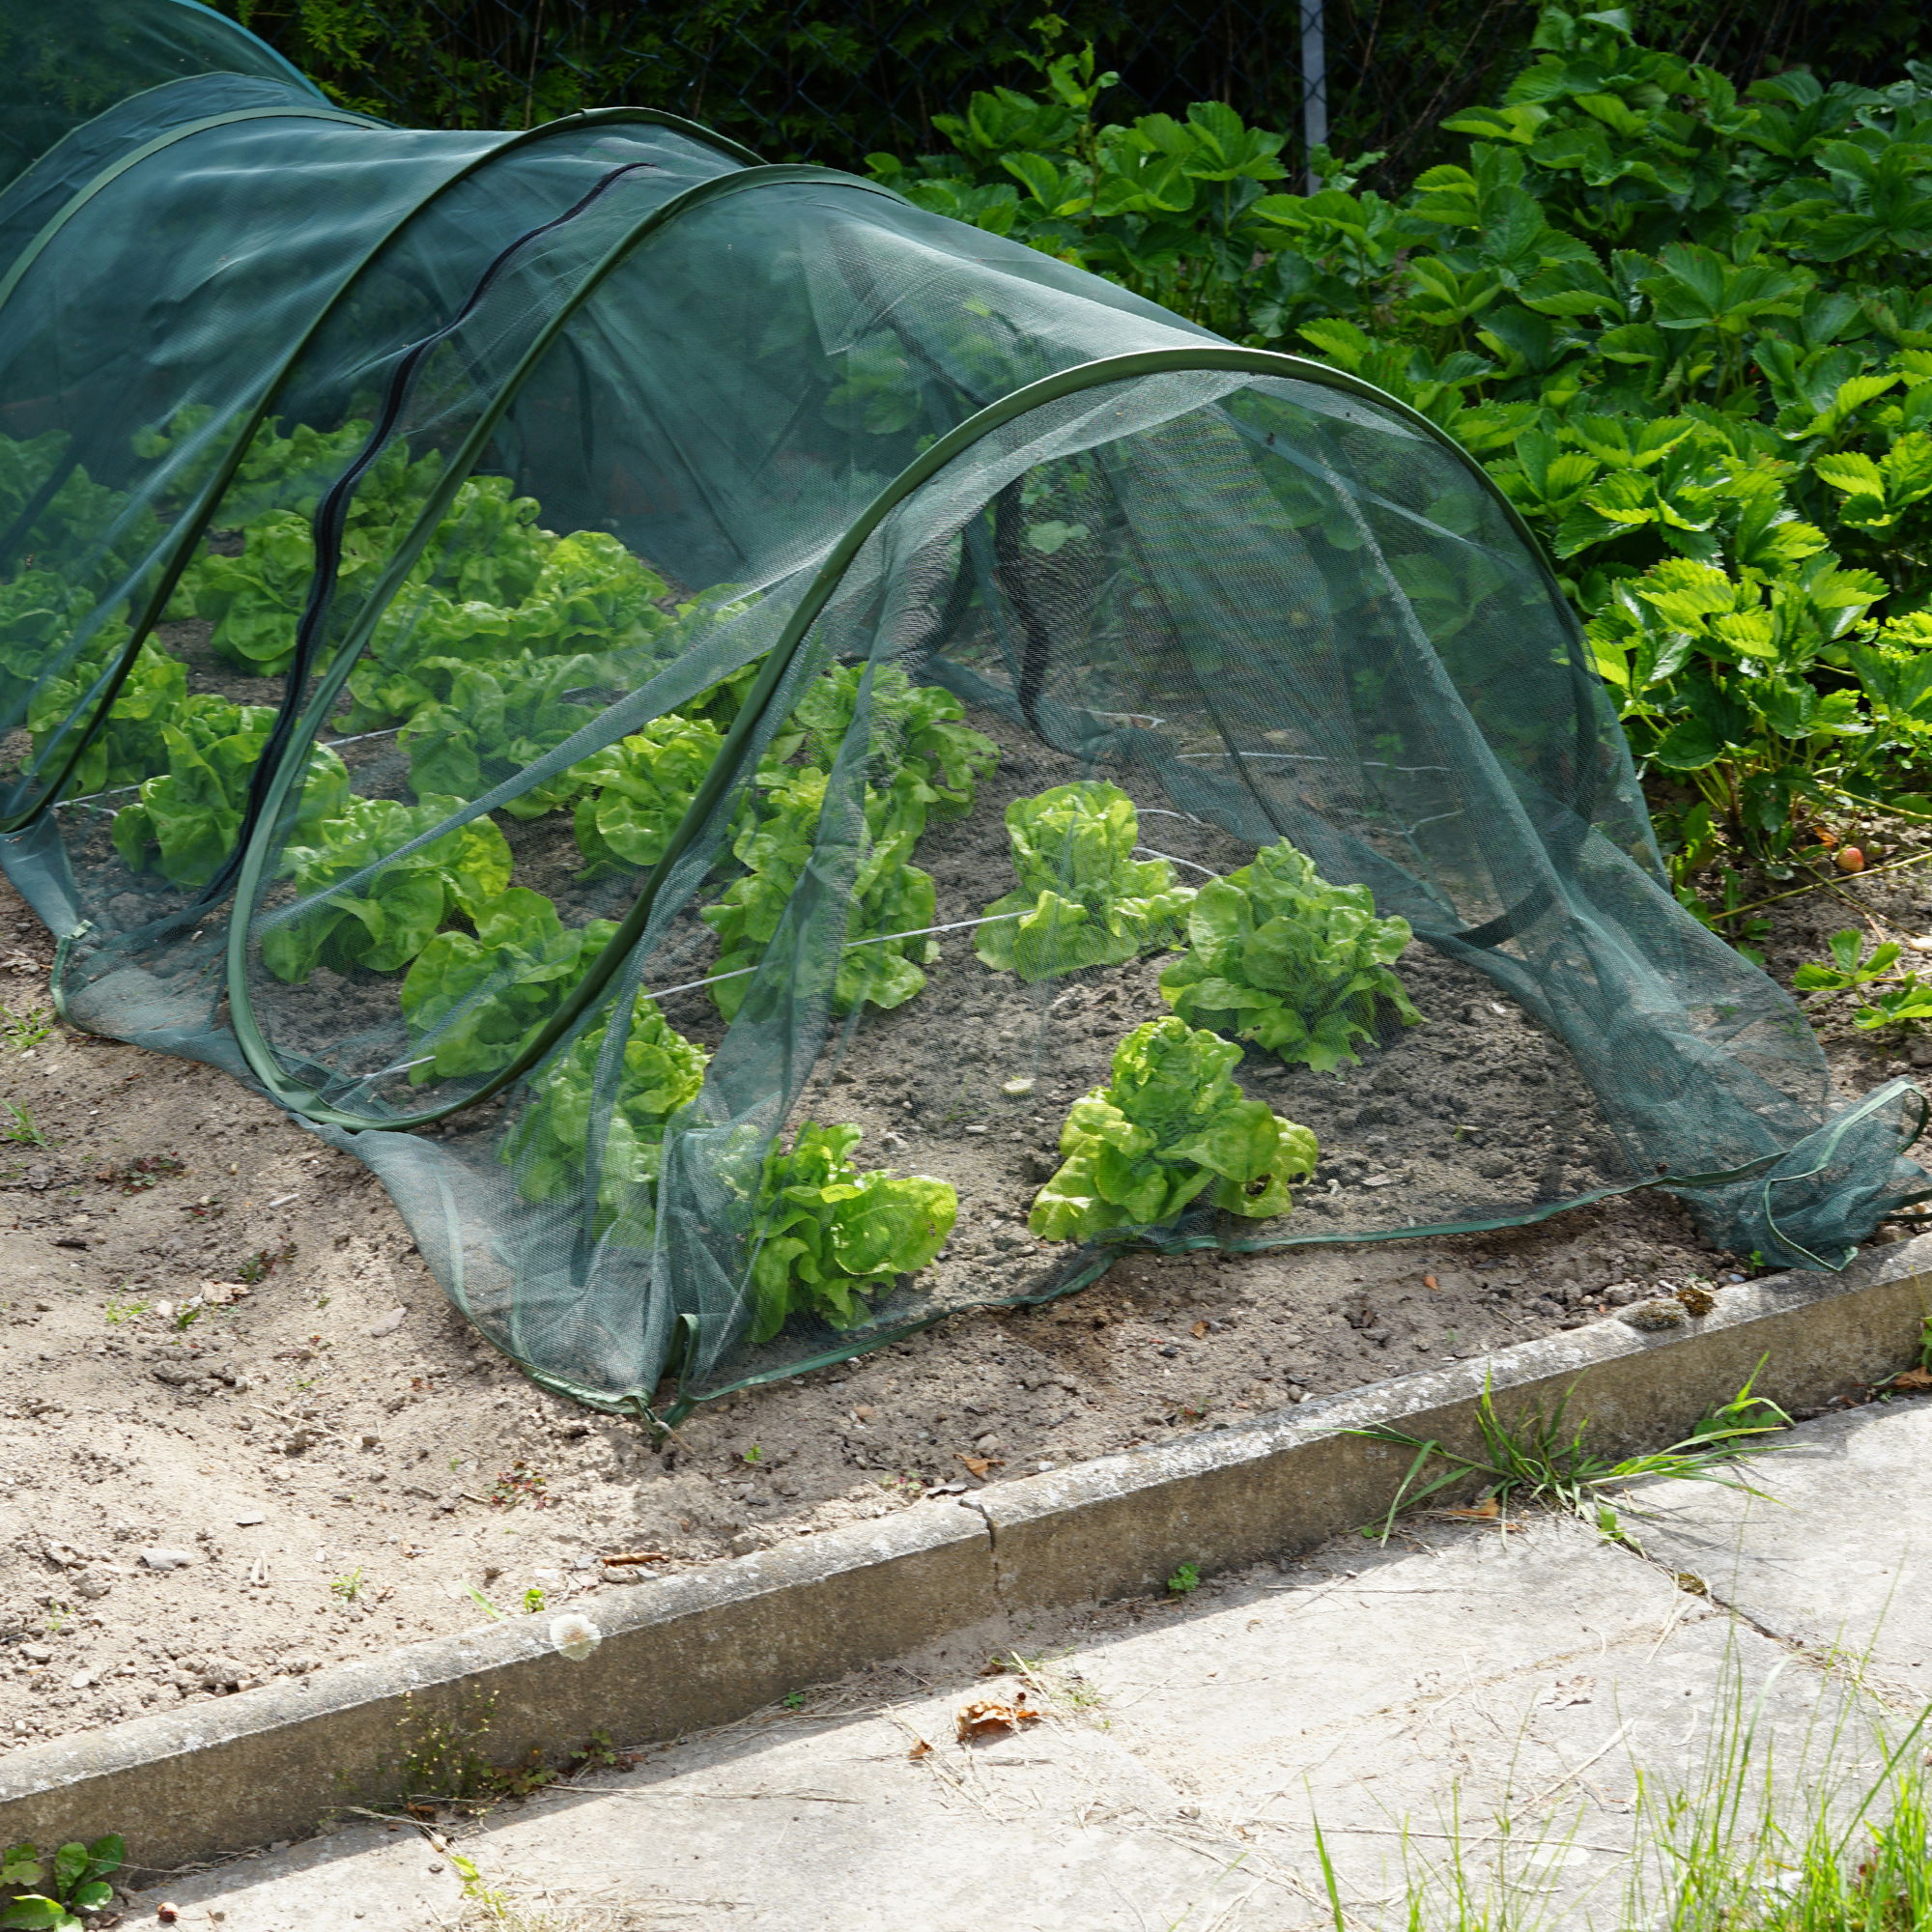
x=61, y=65
x=776, y=765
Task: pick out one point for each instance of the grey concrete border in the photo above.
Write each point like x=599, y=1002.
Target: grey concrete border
x=708, y=1646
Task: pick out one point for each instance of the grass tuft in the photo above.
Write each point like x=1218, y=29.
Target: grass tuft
x=1538, y=1458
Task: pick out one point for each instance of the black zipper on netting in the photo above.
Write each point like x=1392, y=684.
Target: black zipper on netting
x=332, y=516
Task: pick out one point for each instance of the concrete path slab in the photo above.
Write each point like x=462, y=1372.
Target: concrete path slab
x=1398, y=1695
x=1838, y=1556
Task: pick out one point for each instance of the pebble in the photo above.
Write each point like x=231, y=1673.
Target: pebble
x=1016, y=1090
x=166, y=1559
x=1661, y=1312
x=249, y=1518
x=388, y=1324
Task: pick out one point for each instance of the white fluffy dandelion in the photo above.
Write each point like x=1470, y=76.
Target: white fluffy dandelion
x=575, y=1636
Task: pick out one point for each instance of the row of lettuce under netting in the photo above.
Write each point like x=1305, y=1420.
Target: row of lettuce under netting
x=776, y=765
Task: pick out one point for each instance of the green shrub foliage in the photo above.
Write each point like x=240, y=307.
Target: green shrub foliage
x=1685, y=328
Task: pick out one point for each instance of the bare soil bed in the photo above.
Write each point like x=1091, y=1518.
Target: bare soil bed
x=243, y=1436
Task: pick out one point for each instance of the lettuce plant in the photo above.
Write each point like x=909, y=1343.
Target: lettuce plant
x=643, y=787
x=912, y=726
x=829, y=1234
x=591, y=594
x=472, y=1000
x=582, y=597
x=1278, y=955
x=254, y=600
x=399, y=907
x=1083, y=898
x=186, y=820
x=40, y=672
x=1170, y=1127
x=661, y=1073
x=888, y=895
x=128, y=746
x=496, y=721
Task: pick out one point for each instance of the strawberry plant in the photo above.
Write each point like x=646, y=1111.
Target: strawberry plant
x=1891, y=998
x=828, y=1235
x=75, y=1879
x=1682, y=325
x=1278, y=955
x=1169, y=1129
x=362, y=906
x=473, y=1001
x=1083, y=898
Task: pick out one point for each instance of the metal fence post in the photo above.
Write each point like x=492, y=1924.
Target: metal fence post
x=1314, y=87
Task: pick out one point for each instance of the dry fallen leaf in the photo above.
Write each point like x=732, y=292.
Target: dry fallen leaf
x=1199, y=1330
x=635, y=1556
x=919, y=1749
x=1914, y=1379
x=1430, y=1281
x=1485, y=1511
x=977, y=1465
x=987, y=1717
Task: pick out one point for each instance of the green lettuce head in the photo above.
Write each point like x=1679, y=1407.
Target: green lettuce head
x=1083, y=899
x=1170, y=1127
x=1278, y=955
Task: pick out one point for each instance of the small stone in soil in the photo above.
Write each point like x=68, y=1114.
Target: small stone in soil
x=1661, y=1312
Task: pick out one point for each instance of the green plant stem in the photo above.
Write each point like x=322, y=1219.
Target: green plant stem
x=1826, y=885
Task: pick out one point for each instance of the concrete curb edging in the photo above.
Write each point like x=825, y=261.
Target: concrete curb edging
x=707, y=1646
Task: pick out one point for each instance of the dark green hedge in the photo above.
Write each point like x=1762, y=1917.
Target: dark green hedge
x=831, y=82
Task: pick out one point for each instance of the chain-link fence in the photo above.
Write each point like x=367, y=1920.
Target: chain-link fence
x=832, y=80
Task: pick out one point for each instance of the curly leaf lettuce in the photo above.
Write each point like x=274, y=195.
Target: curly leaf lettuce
x=473, y=1000
x=889, y=896
x=1170, y=1127
x=915, y=725
x=394, y=911
x=641, y=787
x=828, y=1235
x=495, y=723
x=661, y=1073
x=1278, y=955
x=185, y=821
x=1083, y=898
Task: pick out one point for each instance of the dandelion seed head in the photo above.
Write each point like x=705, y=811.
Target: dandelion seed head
x=575, y=1636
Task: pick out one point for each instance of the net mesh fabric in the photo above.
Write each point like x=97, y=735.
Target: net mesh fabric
x=555, y=670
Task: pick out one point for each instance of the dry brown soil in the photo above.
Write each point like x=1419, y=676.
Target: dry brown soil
x=196, y=1495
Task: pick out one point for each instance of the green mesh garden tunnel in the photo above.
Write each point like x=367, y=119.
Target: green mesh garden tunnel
x=686, y=711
